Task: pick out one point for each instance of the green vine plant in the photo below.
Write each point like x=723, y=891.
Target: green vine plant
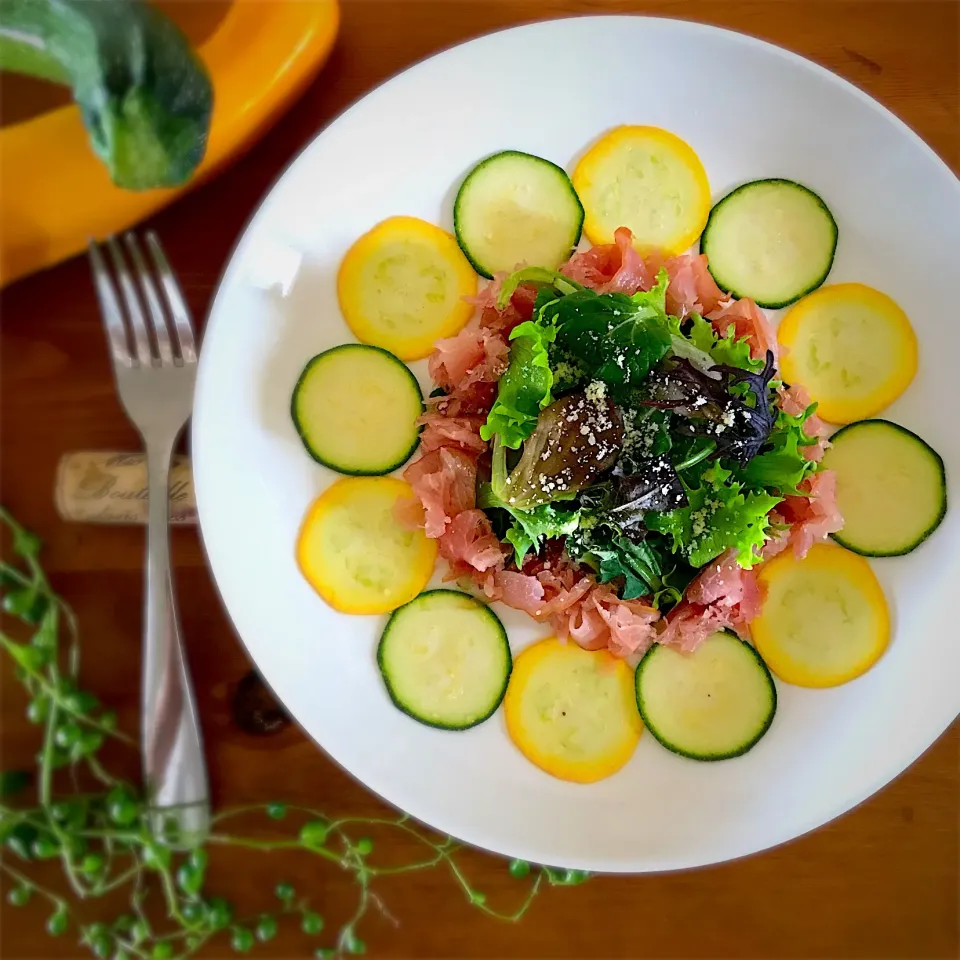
x=103, y=838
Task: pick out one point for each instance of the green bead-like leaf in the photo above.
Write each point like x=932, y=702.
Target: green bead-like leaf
x=45, y=848
x=189, y=880
x=33, y=615
x=90, y=742
x=364, y=846
x=193, y=912
x=81, y=702
x=101, y=946
x=314, y=833
x=353, y=944
x=57, y=923
x=156, y=856
x=21, y=840
x=18, y=896
x=27, y=658
x=122, y=806
x=242, y=940
x=37, y=709
x=220, y=913
x=17, y=602
x=25, y=543
x=266, y=929
x=67, y=734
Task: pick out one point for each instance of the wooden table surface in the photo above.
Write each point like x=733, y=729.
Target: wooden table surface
x=881, y=881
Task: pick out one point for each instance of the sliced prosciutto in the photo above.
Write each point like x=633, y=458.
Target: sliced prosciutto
x=692, y=288
x=689, y=624
x=467, y=367
x=575, y=606
x=748, y=320
x=469, y=543
x=815, y=516
x=725, y=583
x=444, y=481
x=520, y=307
x=722, y=596
x=476, y=354
x=610, y=267
x=440, y=430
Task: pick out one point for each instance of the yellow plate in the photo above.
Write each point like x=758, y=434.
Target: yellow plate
x=55, y=193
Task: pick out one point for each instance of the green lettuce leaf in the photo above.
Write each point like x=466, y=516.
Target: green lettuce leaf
x=721, y=515
x=529, y=528
x=524, y=389
x=542, y=277
x=611, y=337
x=781, y=465
x=646, y=566
x=725, y=350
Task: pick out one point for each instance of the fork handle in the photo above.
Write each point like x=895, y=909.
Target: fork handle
x=173, y=765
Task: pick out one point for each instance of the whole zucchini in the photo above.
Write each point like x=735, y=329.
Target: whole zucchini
x=145, y=96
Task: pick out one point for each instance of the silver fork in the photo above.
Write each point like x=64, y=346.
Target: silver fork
x=155, y=364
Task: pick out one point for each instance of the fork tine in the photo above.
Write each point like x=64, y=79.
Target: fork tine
x=110, y=307
x=134, y=314
x=178, y=306
x=152, y=299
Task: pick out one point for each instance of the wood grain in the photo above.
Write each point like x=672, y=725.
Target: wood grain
x=881, y=881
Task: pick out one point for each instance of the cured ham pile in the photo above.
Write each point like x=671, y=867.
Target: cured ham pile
x=550, y=587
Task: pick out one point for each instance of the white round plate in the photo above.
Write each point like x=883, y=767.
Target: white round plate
x=750, y=110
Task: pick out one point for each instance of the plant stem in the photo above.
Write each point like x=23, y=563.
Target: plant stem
x=100, y=838
x=696, y=456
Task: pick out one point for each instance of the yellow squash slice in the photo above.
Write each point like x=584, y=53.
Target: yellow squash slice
x=572, y=712
x=852, y=347
x=647, y=179
x=356, y=554
x=824, y=619
x=401, y=287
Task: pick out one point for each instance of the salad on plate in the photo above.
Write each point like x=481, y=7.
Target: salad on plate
x=618, y=442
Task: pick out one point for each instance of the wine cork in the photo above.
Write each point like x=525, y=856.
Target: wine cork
x=108, y=487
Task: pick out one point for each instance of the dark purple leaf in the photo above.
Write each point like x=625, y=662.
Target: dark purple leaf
x=645, y=483
x=711, y=407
